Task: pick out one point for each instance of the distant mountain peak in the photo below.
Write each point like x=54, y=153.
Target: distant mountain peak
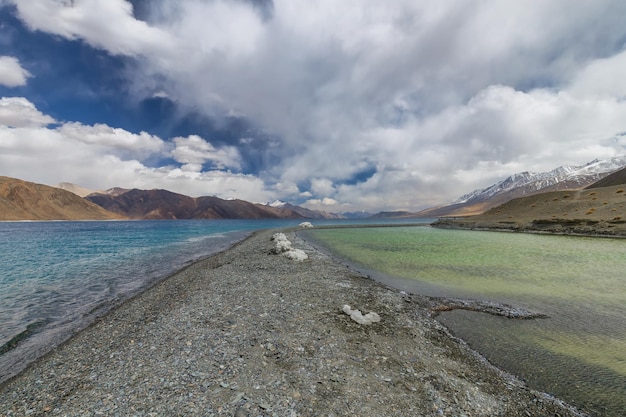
x=526, y=183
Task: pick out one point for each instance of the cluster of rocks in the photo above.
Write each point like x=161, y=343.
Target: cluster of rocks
x=282, y=246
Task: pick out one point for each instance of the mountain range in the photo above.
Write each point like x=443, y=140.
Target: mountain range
x=163, y=204
x=599, y=209
x=22, y=200
x=526, y=183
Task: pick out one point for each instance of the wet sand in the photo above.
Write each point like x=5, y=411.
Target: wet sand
x=251, y=333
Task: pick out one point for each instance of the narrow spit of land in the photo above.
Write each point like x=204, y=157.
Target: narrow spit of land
x=250, y=333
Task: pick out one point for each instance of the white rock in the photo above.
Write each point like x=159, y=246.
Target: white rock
x=282, y=244
x=296, y=255
x=356, y=315
x=279, y=236
x=306, y=225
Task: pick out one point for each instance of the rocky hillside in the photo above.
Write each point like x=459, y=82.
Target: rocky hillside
x=162, y=204
x=22, y=200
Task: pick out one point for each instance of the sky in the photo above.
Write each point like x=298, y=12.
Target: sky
x=333, y=105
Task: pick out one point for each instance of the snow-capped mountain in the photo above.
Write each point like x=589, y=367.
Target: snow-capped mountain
x=527, y=183
x=564, y=177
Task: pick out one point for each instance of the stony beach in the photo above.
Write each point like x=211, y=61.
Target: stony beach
x=250, y=332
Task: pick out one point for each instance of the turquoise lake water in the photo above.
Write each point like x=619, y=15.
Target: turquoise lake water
x=577, y=354
x=57, y=277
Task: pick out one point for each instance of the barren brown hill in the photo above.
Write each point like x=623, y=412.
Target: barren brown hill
x=163, y=204
x=597, y=211
x=150, y=204
x=22, y=200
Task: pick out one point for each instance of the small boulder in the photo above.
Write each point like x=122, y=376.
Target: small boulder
x=356, y=315
x=281, y=243
x=296, y=255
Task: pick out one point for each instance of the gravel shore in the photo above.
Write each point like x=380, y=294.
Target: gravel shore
x=252, y=333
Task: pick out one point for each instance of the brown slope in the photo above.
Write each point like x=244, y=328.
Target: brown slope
x=162, y=204
x=616, y=178
x=594, y=211
x=216, y=208
x=22, y=200
x=147, y=204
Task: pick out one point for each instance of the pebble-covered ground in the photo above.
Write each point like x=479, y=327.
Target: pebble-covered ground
x=253, y=333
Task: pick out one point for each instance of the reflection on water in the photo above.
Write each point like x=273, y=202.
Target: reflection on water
x=577, y=354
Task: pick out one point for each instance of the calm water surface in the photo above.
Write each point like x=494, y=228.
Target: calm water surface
x=577, y=354
x=57, y=277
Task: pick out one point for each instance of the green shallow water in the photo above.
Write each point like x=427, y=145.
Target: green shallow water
x=577, y=354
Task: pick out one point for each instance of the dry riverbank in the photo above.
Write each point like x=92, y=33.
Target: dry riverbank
x=250, y=333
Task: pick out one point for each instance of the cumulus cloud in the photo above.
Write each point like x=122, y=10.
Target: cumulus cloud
x=118, y=141
x=109, y=25
x=430, y=100
x=324, y=204
x=602, y=78
x=11, y=72
x=20, y=112
x=100, y=157
x=428, y=95
x=194, y=152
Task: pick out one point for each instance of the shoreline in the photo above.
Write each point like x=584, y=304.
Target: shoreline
x=557, y=227
x=244, y=332
x=40, y=337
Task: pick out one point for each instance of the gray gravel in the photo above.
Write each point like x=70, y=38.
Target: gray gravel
x=250, y=333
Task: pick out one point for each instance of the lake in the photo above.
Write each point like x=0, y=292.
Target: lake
x=577, y=354
x=58, y=277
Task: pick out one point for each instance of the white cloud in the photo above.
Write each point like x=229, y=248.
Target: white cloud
x=115, y=140
x=425, y=93
x=109, y=25
x=322, y=186
x=324, y=204
x=100, y=157
x=194, y=152
x=602, y=77
x=20, y=112
x=500, y=131
x=436, y=98
x=11, y=72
